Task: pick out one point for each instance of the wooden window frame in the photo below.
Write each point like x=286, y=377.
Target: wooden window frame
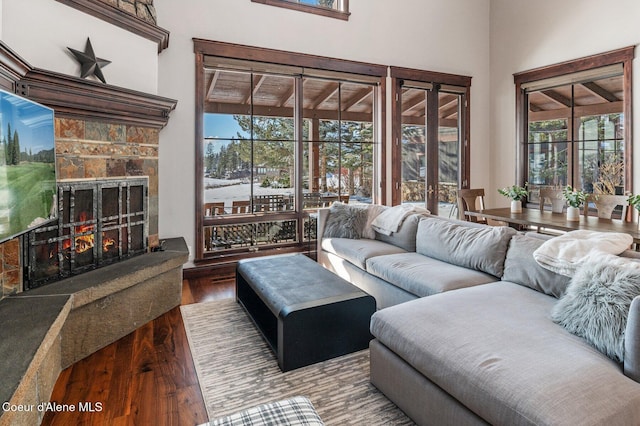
x=317, y=10
x=397, y=75
x=204, y=48
x=622, y=56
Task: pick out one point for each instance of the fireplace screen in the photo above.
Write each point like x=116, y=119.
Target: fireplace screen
x=99, y=222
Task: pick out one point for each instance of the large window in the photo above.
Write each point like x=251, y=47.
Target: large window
x=575, y=126
x=331, y=8
x=277, y=142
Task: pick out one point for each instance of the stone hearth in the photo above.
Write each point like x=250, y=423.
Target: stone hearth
x=49, y=328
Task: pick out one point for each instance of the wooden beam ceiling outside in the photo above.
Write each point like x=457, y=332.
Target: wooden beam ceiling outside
x=288, y=96
x=557, y=98
x=601, y=101
x=327, y=93
x=257, y=82
x=448, y=106
x=412, y=103
x=358, y=97
x=269, y=111
x=212, y=84
x=599, y=91
x=579, y=111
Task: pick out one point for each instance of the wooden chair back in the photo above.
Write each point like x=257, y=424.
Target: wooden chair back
x=240, y=207
x=606, y=204
x=213, y=209
x=549, y=194
x=470, y=200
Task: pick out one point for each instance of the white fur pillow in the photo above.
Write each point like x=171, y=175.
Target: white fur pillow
x=596, y=304
x=345, y=221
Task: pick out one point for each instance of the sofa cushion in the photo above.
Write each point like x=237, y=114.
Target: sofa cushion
x=597, y=303
x=521, y=268
x=494, y=348
x=406, y=236
x=358, y=251
x=424, y=276
x=483, y=249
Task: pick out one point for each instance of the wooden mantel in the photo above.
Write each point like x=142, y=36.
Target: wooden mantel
x=73, y=97
x=117, y=17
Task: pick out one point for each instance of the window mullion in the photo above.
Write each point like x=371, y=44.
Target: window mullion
x=299, y=149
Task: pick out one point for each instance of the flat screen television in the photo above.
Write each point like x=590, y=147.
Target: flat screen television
x=27, y=165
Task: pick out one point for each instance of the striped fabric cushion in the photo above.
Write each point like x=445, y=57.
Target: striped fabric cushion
x=295, y=411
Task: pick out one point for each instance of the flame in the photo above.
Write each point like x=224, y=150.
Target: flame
x=84, y=243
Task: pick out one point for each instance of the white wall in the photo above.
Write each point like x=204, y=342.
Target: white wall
x=529, y=34
x=41, y=30
x=438, y=35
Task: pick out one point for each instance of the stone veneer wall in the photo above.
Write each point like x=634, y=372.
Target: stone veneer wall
x=95, y=150
x=10, y=271
x=142, y=9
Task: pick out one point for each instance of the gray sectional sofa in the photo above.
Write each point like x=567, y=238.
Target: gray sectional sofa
x=482, y=348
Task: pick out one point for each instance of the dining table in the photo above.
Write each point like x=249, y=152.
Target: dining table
x=534, y=218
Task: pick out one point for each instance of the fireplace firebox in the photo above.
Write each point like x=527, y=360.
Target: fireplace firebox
x=99, y=222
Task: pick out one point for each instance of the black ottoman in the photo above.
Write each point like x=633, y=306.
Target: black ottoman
x=306, y=313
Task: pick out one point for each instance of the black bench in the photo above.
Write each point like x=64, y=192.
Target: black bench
x=306, y=313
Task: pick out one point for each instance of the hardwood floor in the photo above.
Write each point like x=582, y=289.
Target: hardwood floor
x=145, y=378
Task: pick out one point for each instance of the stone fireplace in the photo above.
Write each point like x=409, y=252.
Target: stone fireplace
x=107, y=171
x=89, y=153
x=99, y=222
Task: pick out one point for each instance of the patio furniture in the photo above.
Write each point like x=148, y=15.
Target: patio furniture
x=213, y=209
x=240, y=207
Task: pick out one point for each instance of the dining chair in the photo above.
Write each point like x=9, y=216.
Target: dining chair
x=469, y=200
x=605, y=205
x=552, y=195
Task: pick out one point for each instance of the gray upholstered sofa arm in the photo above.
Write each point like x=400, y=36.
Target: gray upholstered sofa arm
x=632, y=342
x=323, y=214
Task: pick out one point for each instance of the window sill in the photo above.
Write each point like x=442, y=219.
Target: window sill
x=307, y=8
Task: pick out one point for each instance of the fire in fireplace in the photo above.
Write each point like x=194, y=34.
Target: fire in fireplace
x=99, y=222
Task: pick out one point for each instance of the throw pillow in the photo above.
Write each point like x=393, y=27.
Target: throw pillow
x=596, y=305
x=521, y=268
x=373, y=210
x=345, y=221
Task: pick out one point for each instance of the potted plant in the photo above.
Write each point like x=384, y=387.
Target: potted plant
x=634, y=201
x=517, y=194
x=575, y=198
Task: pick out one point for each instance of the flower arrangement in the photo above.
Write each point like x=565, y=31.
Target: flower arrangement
x=515, y=192
x=574, y=197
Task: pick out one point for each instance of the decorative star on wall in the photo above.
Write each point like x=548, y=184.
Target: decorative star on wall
x=90, y=64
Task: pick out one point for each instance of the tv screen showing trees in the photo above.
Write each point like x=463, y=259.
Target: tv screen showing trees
x=27, y=165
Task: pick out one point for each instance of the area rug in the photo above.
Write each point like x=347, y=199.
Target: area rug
x=237, y=370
